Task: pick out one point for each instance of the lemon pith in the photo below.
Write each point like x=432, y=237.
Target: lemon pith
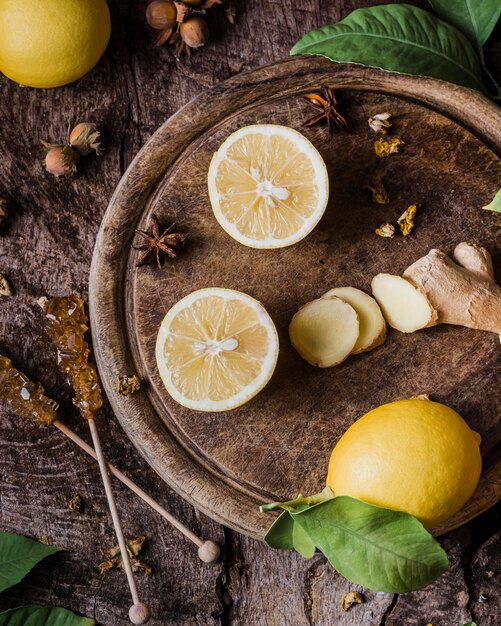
x=416, y=456
x=47, y=43
x=268, y=186
x=216, y=349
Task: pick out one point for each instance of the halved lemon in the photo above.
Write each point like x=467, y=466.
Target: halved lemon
x=268, y=186
x=216, y=349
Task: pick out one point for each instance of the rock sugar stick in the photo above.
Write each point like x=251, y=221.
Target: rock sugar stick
x=28, y=400
x=66, y=325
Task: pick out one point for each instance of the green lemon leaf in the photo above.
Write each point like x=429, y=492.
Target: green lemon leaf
x=495, y=204
x=475, y=18
x=470, y=624
x=43, y=616
x=285, y=534
x=377, y=548
x=18, y=555
x=279, y=535
x=398, y=38
x=302, y=542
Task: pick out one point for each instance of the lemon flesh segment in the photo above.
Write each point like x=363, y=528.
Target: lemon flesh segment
x=216, y=349
x=372, y=324
x=324, y=331
x=268, y=186
x=415, y=456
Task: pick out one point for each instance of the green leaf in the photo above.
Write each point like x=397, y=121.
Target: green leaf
x=399, y=38
x=18, y=555
x=495, y=203
x=470, y=624
x=475, y=18
x=43, y=616
x=302, y=542
x=377, y=548
x=285, y=534
x=279, y=535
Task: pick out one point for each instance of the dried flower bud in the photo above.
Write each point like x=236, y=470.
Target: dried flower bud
x=85, y=138
x=127, y=385
x=161, y=14
x=385, y=147
x=4, y=203
x=5, y=289
x=380, y=122
x=386, y=230
x=194, y=32
x=351, y=598
x=405, y=221
x=61, y=160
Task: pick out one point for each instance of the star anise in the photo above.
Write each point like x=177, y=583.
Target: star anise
x=157, y=244
x=326, y=103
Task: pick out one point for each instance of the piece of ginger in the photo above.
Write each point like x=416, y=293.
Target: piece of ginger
x=325, y=331
x=438, y=290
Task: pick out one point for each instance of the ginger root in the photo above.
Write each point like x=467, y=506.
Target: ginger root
x=443, y=291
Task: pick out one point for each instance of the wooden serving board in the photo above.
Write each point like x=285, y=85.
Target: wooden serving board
x=278, y=444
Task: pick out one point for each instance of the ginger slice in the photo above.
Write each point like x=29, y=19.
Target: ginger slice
x=372, y=325
x=325, y=331
x=404, y=306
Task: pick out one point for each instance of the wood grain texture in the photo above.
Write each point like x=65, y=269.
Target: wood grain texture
x=278, y=444
x=46, y=249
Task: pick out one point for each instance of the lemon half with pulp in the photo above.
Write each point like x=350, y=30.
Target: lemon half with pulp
x=268, y=186
x=216, y=349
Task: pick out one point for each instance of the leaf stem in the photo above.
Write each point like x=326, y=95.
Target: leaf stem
x=300, y=501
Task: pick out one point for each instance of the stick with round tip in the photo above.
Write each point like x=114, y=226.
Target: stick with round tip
x=139, y=613
x=208, y=551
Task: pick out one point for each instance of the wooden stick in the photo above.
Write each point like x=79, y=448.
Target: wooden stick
x=139, y=613
x=208, y=551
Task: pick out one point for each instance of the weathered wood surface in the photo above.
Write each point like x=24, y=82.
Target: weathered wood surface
x=277, y=445
x=47, y=249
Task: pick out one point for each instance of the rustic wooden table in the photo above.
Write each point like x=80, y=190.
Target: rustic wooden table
x=46, y=249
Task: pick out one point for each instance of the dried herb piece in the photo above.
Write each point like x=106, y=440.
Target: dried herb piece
x=405, y=221
x=379, y=193
x=158, y=244
x=4, y=203
x=114, y=558
x=383, y=146
x=5, y=288
x=380, y=122
x=386, y=230
x=326, y=103
x=351, y=598
x=67, y=324
x=231, y=11
x=25, y=398
x=127, y=385
x=76, y=503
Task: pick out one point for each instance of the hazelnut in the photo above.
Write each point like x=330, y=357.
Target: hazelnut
x=194, y=31
x=85, y=138
x=161, y=14
x=61, y=160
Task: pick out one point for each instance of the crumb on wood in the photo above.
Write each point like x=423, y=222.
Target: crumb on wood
x=351, y=598
x=76, y=503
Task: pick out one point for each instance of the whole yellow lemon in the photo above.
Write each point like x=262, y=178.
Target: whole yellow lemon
x=47, y=43
x=416, y=456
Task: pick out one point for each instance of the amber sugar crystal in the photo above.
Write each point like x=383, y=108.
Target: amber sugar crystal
x=26, y=399
x=67, y=324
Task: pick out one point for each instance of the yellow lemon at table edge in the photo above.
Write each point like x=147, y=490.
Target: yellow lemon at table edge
x=416, y=456
x=216, y=349
x=268, y=186
x=48, y=43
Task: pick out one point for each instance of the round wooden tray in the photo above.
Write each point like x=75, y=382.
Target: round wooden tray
x=278, y=444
